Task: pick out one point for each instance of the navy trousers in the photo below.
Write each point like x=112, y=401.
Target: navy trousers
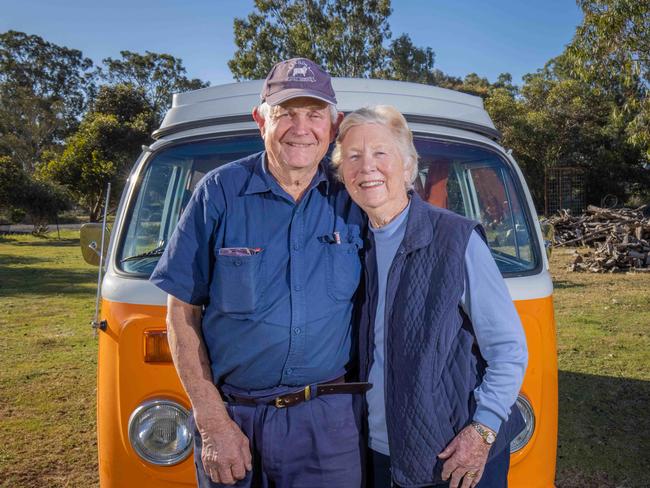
x=495, y=474
x=311, y=445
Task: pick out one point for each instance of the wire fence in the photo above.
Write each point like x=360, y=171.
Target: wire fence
x=564, y=188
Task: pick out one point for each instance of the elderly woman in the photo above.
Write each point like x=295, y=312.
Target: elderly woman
x=440, y=338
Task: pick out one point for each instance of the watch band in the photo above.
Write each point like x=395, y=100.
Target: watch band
x=488, y=435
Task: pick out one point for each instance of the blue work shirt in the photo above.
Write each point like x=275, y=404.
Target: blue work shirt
x=282, y=315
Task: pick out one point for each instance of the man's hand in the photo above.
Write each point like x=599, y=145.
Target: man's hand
x=226, y=453
x=465, y=458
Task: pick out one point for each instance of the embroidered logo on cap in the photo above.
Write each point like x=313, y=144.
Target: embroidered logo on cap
x=297, y=77
x=301, y=72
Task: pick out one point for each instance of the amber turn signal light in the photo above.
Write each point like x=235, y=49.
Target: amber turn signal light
x=156, y=347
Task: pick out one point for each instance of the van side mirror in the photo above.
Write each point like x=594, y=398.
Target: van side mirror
x=90, y=238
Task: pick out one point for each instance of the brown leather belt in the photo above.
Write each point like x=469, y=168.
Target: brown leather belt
x=307, y=393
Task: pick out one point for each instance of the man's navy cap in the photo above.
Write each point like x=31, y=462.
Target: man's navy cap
x=297, y=77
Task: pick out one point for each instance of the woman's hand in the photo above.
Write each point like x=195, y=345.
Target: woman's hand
x=465, y=458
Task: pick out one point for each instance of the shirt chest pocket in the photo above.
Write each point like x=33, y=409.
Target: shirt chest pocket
x=343, y=270
x=237, y=283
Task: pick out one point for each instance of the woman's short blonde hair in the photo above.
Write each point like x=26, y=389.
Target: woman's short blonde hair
x=395, y=122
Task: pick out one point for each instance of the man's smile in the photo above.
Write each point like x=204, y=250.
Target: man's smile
x=300, y=144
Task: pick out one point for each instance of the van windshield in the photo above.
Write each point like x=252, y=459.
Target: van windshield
x=469, y=180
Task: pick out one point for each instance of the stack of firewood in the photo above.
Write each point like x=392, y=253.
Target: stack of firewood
x=619, y=238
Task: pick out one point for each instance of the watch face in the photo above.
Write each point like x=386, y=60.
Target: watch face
x=490, y=438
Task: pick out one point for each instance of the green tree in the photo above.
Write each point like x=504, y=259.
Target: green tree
x=103, y=149
x=613, y=41
x=510, y=116
x=562, y=121
x=128, y=104
x=504, y=81
x=157, y=76
x=475, y=85
x=44, y=88
x=44, y=200
x=29, y=126
x=407, y=62
x=41, y=200
x=13, y=181
x=611, y=50
x=346, y=37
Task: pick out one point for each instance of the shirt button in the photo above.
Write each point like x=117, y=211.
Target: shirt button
x=289, y=371
x=238, y=262
x=296, y=247
x=297, y=288
x=296, y=330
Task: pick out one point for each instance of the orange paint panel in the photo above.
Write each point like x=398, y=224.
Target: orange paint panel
x=534, y=465
x=125, y=380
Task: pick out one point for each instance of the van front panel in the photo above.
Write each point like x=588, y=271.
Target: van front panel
x=470, y=177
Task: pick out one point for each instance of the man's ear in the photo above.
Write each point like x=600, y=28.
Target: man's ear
x=259, y=120
x=335, y=125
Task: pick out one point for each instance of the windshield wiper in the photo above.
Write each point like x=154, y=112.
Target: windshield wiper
x=153, y=253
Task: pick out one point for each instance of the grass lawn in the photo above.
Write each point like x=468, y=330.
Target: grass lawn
x=47, y=363
x=47, y=370
x=603, y=328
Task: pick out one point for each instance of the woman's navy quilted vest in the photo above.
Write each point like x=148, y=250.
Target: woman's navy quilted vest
x=433, y=362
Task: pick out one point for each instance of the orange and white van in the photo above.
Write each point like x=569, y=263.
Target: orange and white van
x=142, y=409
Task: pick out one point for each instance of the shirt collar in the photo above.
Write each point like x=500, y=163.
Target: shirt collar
x=396, y=226
x=262, y=180
x=258, y=182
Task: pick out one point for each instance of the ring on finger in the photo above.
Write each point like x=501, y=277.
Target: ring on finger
x=471, y=474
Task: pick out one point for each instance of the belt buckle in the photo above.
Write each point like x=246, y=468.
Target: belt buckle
x=282, y=402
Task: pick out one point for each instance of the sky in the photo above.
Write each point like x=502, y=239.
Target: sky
x=487, y=37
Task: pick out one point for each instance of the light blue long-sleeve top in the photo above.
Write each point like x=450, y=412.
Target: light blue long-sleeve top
x=497, y=326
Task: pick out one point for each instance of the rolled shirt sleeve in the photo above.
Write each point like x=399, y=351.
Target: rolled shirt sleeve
x=499, y=334
x=184, y=270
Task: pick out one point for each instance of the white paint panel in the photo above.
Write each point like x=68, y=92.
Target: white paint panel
x=408, y=98
x=118, y=288
x=530, y=287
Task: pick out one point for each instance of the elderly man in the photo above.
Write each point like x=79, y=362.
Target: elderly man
x=261, y=274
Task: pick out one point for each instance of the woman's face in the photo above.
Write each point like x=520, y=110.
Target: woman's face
x=373, y=170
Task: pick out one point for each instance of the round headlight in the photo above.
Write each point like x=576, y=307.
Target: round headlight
x=524, y=436
x=159, y=433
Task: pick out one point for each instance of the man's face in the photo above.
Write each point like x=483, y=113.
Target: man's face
x=297, y=133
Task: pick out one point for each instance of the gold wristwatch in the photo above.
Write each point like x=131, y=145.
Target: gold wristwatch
x=488, y=435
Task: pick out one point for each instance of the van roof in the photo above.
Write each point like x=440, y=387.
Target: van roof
x=232, y=103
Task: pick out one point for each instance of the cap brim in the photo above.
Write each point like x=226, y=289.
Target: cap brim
x=291, y=93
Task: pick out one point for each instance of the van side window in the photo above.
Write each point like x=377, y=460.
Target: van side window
x=477, y=183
